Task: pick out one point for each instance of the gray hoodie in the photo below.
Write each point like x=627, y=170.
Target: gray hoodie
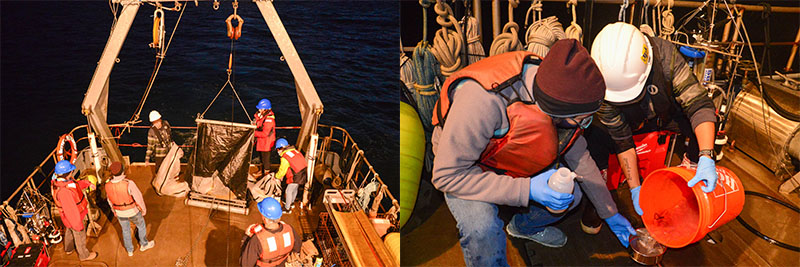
x=475, y=116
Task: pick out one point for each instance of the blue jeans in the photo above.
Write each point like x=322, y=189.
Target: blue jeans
x=138, y=220
x=480, y=230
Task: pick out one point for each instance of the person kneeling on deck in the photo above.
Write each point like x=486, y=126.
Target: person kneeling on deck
x=264, y=120
x=72, y=205
x=269, y=243
x=293, y=166
x=673, y=100
x=495, y=145
x=128, y=205
x=159, y=138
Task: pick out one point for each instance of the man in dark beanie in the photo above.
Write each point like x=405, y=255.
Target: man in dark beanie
x=128, y=205
x=496, y=142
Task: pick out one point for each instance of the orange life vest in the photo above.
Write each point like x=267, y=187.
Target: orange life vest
x=118, y=195
x=530, y=144
x=77, y=195
x=297, y=162
x=275, y=247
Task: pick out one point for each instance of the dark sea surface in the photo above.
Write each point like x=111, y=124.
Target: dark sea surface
x=50, y=49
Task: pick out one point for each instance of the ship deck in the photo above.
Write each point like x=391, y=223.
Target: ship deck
x=435, y=242
x=204, y=237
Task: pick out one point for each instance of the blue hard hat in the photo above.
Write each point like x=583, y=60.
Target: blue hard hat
x=63, y=167
x=281, y=143
x=270, y=208
x=264, y=104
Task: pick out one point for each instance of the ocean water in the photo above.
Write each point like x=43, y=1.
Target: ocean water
x=49, y=52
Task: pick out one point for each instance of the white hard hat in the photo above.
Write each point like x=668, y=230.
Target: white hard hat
x=154, y=116
x=625, y=57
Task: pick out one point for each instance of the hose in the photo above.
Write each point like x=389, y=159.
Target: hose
x=763, y=236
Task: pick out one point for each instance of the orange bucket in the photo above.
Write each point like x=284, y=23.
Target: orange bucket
x=676, y=215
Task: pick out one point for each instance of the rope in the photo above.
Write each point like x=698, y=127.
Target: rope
x=407, y=71
x=475, y=50
x=508, y=40
x=622, y=9
x=447, y=44
x=228, y=81
x=667, y=20
x=574, y=30
x=159, y=59
x=542, y=34
x=536, y=8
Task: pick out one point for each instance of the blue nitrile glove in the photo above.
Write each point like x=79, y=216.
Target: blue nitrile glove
x=621, y=227
x=706, y=171
x=542, y=193
x=635, y=197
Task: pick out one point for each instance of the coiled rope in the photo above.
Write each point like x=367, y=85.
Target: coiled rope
x=667, y=21
x=508, y=40
x=475, y=50
x=424, y=74
x=447, y=44
x=574, y=31
x=542, y=34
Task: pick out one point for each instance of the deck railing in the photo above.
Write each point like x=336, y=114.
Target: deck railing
x=356, y=170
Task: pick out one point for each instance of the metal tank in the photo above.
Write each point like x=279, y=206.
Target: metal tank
x=759, y=130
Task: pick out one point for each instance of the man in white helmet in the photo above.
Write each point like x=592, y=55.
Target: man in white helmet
x=649, y=87
x=159, y=138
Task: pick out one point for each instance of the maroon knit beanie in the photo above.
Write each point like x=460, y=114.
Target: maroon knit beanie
x=568, y=83
x=115, y=168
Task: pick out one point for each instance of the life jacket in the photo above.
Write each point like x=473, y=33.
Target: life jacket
x=118, y=195
x=657, y=104
x=77, y=195
x=265, y=143
x=275, y=247
x=531, y=142
x=297, y=162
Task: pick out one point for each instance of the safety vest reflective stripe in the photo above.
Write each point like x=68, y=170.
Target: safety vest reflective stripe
x=274, y=251
x=296, y=160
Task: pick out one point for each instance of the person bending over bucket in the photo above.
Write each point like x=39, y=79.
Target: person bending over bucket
x=495, y=141
x=674, y=100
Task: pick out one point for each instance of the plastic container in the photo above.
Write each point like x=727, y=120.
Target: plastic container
x=561, y=181
x=676, y=215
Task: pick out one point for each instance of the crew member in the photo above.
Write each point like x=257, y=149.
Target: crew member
x=293, y=166
x=72, y=205
x=269, y=243
x=264, y=120
x=128, y=205
x=159, y=139
x=495, y=138
x=673, y=100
